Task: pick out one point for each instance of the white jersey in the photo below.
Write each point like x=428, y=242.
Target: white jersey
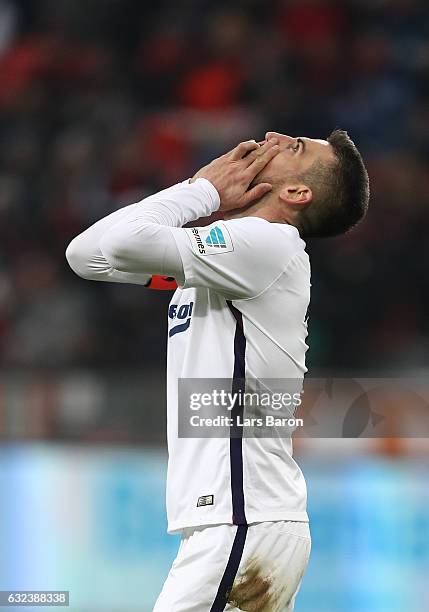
x=247, y=305
x=240, y=312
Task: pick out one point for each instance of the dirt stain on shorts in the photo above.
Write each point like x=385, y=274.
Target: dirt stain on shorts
x=252, y=591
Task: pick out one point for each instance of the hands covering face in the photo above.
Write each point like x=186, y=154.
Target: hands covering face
x=232, y=173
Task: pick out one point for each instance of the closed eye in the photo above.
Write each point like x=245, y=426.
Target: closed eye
x=299, y=145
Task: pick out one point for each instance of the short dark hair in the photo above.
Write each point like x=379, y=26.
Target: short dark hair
x=340, y=191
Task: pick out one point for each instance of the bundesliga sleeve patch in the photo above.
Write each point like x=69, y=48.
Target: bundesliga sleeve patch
x=210, y=240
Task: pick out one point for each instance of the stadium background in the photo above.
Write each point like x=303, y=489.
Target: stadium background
x=104, y=101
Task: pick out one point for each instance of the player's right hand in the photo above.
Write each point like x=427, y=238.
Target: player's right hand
x=232, y=173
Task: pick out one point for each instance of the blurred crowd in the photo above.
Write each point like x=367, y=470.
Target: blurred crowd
x=104, y=101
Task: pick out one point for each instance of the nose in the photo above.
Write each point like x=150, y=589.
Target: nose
x=282, y=138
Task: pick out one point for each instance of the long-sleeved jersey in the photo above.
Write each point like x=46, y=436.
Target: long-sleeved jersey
x=239, y=312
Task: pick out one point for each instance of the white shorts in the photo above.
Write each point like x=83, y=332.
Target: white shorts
x=257, y=568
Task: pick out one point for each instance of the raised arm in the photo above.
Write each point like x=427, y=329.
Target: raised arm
x=142, y=243
x=86, y=258
x=136, y=242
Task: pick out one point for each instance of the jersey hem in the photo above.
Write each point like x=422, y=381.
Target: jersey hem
x=255, y=517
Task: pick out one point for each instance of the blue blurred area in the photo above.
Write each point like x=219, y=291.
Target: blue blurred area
x=92, y=521
x=370, y=530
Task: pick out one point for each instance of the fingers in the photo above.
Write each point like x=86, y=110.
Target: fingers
x=243, y=149
x=271, y=135
x=259, y=152
x=255, y=193
x=264, y=155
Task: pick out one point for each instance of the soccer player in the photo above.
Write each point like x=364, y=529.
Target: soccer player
x=239, y=311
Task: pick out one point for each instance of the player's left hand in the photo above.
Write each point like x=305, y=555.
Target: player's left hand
x=232, y=173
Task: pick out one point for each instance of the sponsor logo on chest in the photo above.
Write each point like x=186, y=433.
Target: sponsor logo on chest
x=180, y=314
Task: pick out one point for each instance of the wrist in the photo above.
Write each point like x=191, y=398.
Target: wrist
x=210, y=190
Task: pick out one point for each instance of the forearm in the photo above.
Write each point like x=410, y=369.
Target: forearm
x=142, y=242
x=87, y=259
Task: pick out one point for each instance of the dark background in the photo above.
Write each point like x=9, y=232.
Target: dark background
x=104, y=101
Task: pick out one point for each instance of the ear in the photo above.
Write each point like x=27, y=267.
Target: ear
x=296, y=195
